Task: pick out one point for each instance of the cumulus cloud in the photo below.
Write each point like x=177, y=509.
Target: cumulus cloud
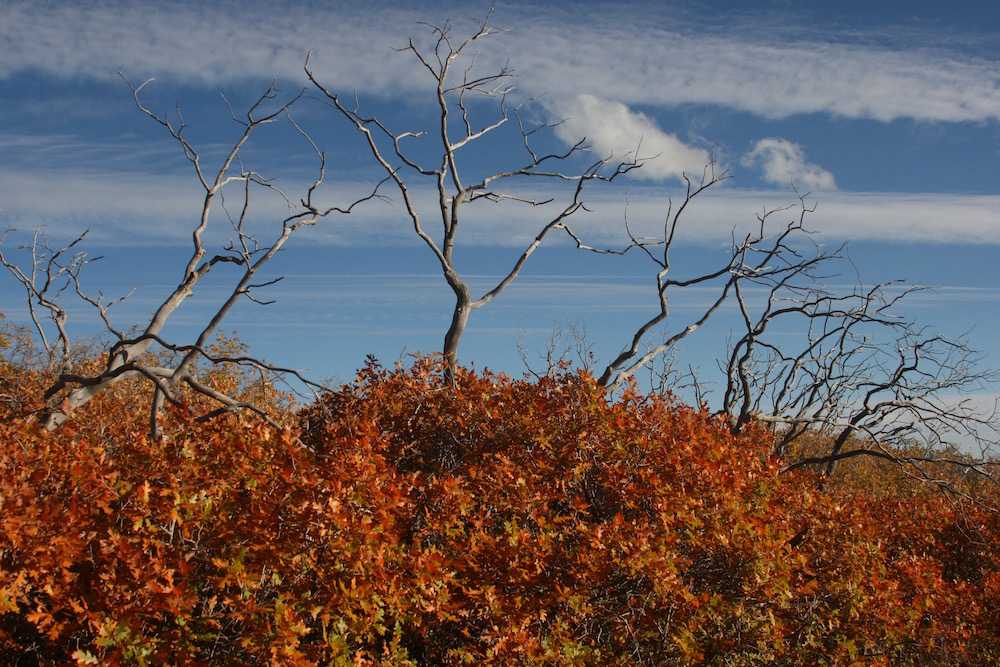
x=614, y=130
x=783, y=162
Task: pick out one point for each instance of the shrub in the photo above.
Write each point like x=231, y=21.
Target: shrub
x=411, y=522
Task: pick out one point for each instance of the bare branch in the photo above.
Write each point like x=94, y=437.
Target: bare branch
x=871, y=382
x=632, y=358
x=560, y=350
x=52, y=272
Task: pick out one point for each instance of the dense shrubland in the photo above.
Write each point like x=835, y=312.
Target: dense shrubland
x=161, y=502
x=402, y=520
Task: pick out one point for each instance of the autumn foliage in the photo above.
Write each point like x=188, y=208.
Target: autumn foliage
x=404, y=521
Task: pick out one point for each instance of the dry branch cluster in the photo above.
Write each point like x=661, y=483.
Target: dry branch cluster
x=872, y=381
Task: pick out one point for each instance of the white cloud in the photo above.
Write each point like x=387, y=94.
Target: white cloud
x=641, y=61
x=783, y=162
x=928, y=217
x=638, y=57
x=838, y=216
x=614, y=130
x=208, y=44
x=138, y=208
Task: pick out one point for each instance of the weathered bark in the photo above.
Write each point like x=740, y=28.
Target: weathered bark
x=459, y=320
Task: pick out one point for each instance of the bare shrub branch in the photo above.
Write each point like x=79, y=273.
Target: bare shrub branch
x=566, y=347
x=52, y=271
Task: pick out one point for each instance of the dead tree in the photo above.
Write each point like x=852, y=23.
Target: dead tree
x=872, y=382
x=128, y=357
x=638, y=353
x=460, y=90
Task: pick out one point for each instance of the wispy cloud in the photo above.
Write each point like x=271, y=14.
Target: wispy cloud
x=637, y=61
x=838, y=215
x=137, y=208
x=208, y=44
x=614, y=130
x=632, y=58
x=783, y=162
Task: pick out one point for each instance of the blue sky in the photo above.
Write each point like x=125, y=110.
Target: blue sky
x=887, y=113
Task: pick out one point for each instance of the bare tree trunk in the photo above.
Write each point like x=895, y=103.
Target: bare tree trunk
x=459, y=320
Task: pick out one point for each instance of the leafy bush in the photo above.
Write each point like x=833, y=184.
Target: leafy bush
x=409, y=522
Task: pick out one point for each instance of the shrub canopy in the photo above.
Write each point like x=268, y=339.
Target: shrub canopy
x=403, y=521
